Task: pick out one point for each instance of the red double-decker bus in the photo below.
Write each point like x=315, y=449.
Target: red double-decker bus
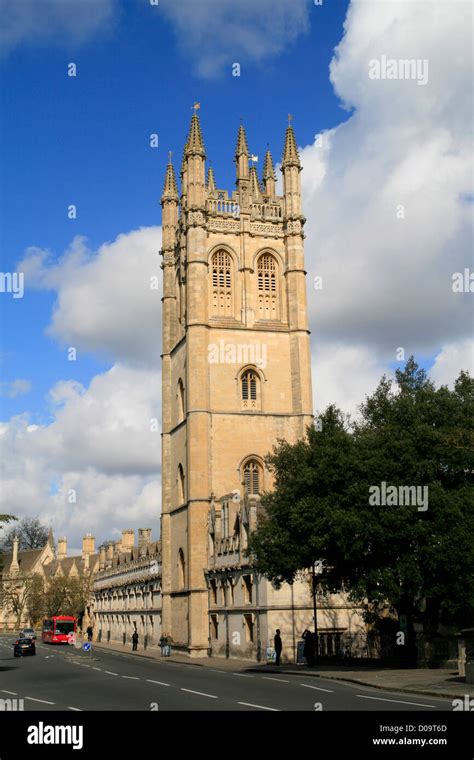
x=58, y=629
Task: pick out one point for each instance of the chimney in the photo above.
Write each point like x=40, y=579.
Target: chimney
x=88, y=545
x=144, y=536
x=61, y=551
x=86, y=561
x=128, y=539
x=102, y=557
x=15, y=567
x=110, y=552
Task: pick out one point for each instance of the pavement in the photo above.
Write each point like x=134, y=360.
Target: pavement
x=439, y=682
x=108, y=678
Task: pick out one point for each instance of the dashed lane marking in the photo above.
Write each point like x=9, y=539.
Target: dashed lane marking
x=132, y=678
x=97, y=669
x=201, y=693
x=269, y=678
x=4, y=691
x=44, y=701
x=242, y=675
x=398, y=701
x=76, y=709
x=318, y=688
x=109, y=672
x=259, y=707
x=160, y=683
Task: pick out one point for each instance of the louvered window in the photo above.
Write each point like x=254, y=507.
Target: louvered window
x=267, y=287
x=222, y=284
x=249, y=386
x=252, y=477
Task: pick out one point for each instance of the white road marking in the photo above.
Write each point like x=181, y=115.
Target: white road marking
x=200, y=693
x=242, y=675
x=109, y=672
x=259, y=707
x=9, y=692
x=398, y=701
x=213, y=670
x=160, y=683
x=97, y=669
x=318, y=688
x=76, y=709
x=269, y=678
x=132, y=678
x=83, y=665
x=44, y=701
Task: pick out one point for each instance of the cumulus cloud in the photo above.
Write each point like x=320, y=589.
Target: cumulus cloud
x=385, y=196
x=15, y=388
x=451, y=359
x=102, y=446
x=109, y=300
x=64, y=21
x=216, y=33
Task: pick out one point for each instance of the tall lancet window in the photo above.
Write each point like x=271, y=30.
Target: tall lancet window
x=267, y=287
x=252, y=477
x=221, y=273
x=181, y=485
x=250, y=389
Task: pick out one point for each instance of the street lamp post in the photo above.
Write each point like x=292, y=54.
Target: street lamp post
x=315, y=611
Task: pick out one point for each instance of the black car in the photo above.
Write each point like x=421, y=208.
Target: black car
x=23, y=647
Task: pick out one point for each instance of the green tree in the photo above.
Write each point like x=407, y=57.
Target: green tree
x=420, y=561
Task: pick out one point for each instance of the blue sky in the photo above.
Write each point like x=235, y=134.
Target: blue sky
x=383, y=190
x=85, y=140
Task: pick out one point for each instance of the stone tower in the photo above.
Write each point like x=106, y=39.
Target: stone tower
x=236, y=359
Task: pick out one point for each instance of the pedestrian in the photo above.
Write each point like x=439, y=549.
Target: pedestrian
x=134, y=641
x=309, y=654
x=89, y=632
x=277, y=643
x=169, y=641
x=163, y=645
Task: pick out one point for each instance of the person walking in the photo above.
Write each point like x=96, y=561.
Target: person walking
x=89, y=632
x=278, y=646
x=169, y=641
x=163, y=645
x=134, y=641
x=309, y=653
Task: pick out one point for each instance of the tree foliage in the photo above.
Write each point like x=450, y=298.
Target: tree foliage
x=421, y=562
x=32, y=534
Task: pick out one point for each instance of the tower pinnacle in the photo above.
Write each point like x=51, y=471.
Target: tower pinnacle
x=290, y=152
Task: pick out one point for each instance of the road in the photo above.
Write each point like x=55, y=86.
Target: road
x=63, y=678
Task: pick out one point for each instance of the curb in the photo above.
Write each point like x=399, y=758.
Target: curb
x=403, y=689
x=359, y=682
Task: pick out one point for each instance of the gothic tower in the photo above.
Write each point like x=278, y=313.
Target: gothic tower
x=236, y=359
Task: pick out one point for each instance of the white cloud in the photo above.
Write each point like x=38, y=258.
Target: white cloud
x=15, y=388
x=451, y=359
x=106, y=299
x=63, y=21
x=214, y=34
x=100, y=443
x=387, y=281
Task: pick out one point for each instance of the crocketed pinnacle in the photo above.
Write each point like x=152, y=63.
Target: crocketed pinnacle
x=211, y=182
x=195, y=143
x=255, y=189
x=290, y=153
x=170, y=188
x=268, y=168
x=241, y=148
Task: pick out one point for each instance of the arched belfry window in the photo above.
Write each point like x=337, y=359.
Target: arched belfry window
x=180, y=400
x=221, y=274
x=181, y=485
x=267, y=270
x=250, y=389
x=252, y=477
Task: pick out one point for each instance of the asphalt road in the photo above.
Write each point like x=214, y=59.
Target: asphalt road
x=63, y=678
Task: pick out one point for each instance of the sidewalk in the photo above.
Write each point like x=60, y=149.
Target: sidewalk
x=443, y=682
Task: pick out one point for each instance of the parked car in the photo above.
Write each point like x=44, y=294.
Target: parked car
x=27, y=633
x=23, y=647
